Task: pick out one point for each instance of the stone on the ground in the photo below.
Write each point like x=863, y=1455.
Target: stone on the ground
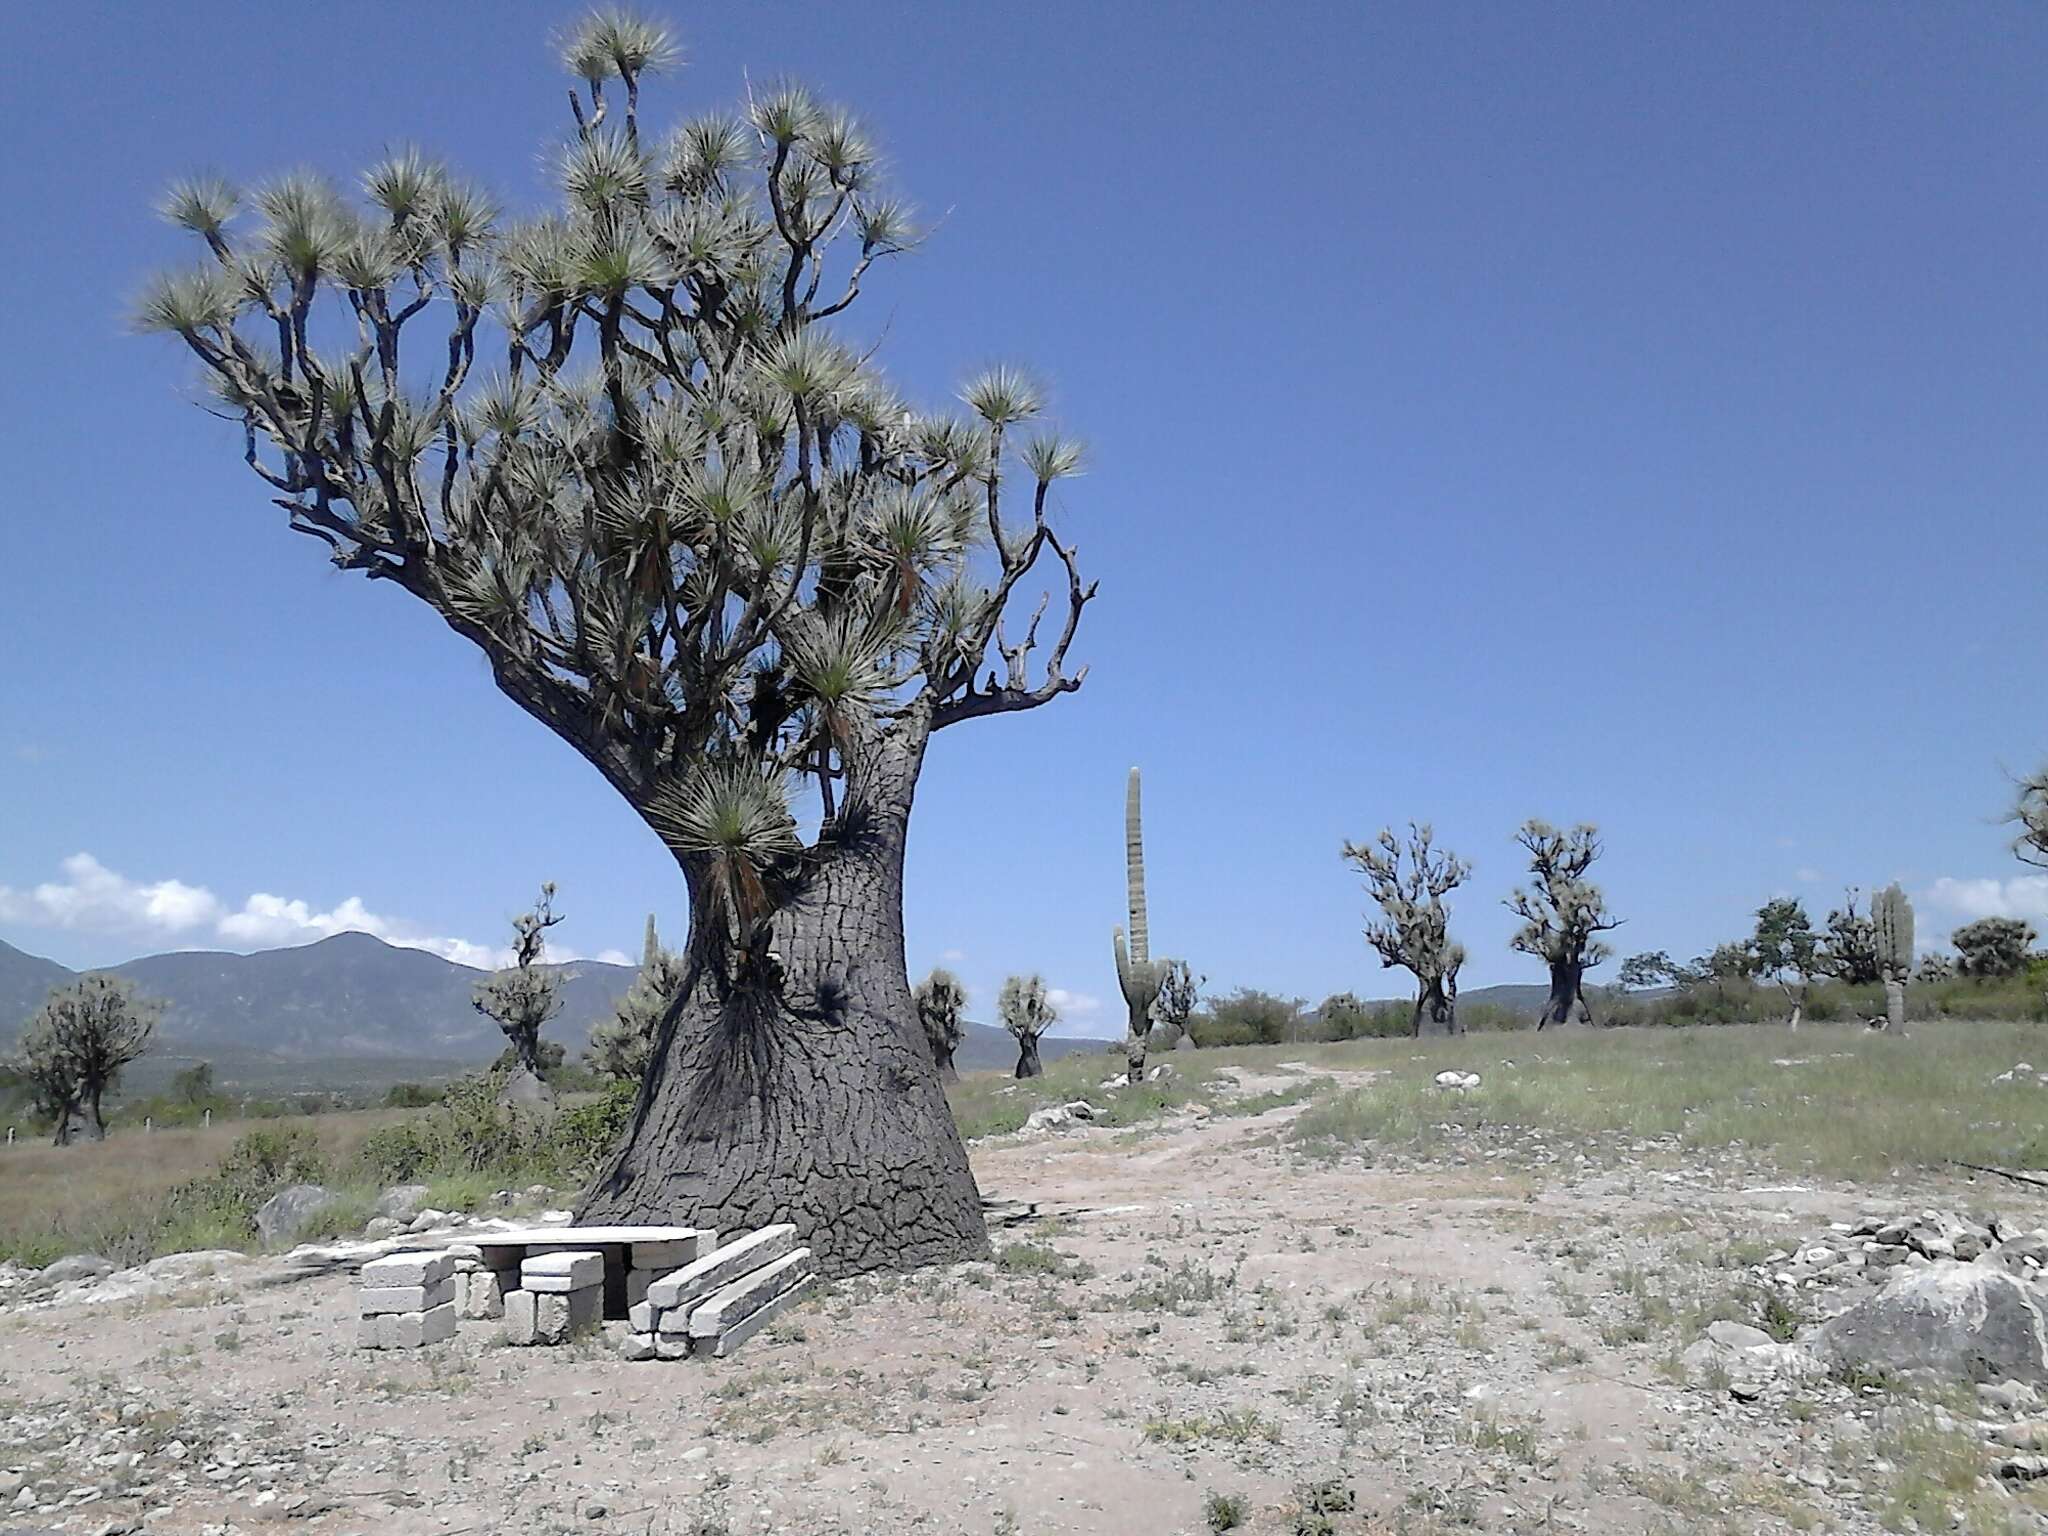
x=405, y=1298
x=280, y=1218
x=2024, y=1254
x=1748, y=1358
x=1458, y=1080
x=427, y=1220
x=1052, y=1116
x=740, y=1256
x=75, y=1266
x=638, y=1346
x=1953, y=1319
x=572, y=1270
x=1738, y=1335
x=401, y=1202
x=408, y=1269
x=378, y=1228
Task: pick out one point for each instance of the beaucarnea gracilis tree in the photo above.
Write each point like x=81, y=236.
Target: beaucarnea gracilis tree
x=522, y=998
x=1409, y=884
x=1993, y=946
x=619, y=447
x=86, y=1034
x=2030, y=810
x=941, y=1004
x=1563, y=914
x=1027, y=1011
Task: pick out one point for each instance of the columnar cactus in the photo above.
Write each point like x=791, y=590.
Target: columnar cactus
x=1891, y=923
x=1137, y=973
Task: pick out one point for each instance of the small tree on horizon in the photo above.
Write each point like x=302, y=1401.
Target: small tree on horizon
x=52, y=1080
x=86, y=1034
x=2030, y=810
x=941, y=1002
x=522, y=998
x=1993, y=946
x=1026, y=1012
x=1786, y=949
x=1562, y=915
x=1848, y=950
x=1409, y=884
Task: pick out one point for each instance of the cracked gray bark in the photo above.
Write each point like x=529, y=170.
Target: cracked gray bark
x=1436, y=1010
x=807, y=1092
x=1567, y=993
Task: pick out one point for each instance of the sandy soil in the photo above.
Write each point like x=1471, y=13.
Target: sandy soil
x=1195, y=1309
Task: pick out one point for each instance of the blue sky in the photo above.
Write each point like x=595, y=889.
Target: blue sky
x=1631, y=414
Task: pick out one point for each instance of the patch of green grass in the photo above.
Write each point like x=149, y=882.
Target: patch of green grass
x=1852, y=1104
x=1934, y=1478
x=1031, y=1259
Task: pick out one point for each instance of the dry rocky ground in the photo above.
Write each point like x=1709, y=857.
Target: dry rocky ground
x=1201, y=1326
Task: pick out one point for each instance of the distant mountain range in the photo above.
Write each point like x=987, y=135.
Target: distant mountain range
x=354, y=997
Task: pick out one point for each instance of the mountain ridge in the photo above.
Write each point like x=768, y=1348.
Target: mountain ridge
x=351, y=996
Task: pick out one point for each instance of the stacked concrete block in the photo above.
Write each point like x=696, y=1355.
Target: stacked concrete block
x=482, y=1277
x=648, y=1262
x=713, y=1303
x=407, y=1301
x=730, y=1316
x=560, y=1295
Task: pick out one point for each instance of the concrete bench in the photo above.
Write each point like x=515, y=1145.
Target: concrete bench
x=634, y=1257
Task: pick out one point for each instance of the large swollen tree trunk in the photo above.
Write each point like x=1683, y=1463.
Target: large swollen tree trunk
x=1567, y=993
x=1028, y=1064
x=1436, y=1011
x=800, y=1086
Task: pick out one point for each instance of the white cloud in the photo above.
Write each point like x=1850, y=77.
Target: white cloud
x=614, y=957
x=1806, y=876
x=953, y=956
x=94, y=898
x=1964, y=901
x=1072, y=1004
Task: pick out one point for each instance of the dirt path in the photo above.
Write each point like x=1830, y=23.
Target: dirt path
x=1197, y=1309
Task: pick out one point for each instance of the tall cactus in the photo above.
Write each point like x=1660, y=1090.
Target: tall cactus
x=1137, y=973
x=1891, y=923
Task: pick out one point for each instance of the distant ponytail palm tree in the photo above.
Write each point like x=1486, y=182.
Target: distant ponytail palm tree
x=700, y=538
x=1027, y=1012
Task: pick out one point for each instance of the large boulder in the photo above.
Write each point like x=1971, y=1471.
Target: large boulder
x=1748, y=1358
x=280, y=1218
x=1969, y=1320
x=401, y=1202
